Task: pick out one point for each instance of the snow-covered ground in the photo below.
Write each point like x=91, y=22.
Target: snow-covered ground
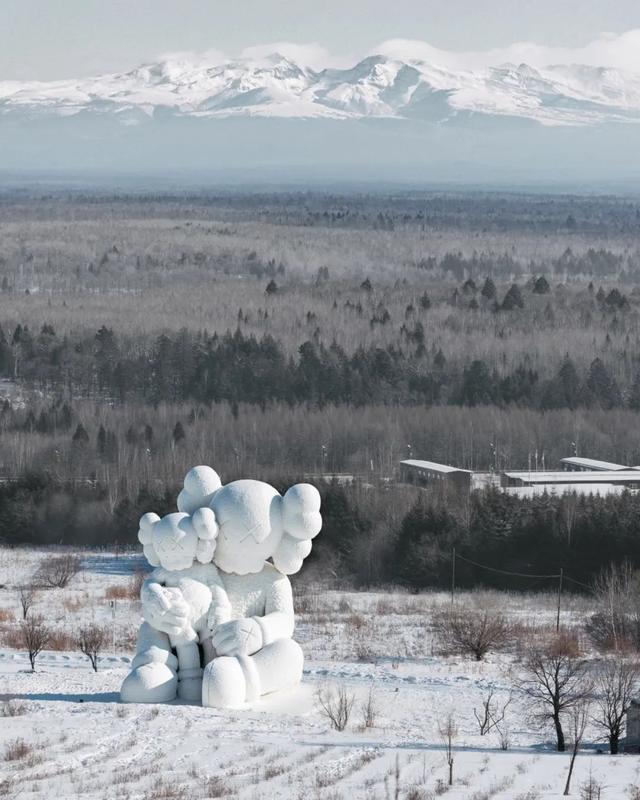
x=80, y=741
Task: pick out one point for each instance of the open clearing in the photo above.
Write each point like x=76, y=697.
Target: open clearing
x=71, y=737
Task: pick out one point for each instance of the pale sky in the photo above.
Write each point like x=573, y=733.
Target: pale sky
x=49, y=39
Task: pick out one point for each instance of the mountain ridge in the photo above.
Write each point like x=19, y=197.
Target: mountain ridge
x=378, y=86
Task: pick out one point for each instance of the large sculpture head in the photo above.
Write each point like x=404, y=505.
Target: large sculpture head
x=176, y=541
x=254, y=521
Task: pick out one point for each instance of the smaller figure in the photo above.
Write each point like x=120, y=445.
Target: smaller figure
x=183, y=603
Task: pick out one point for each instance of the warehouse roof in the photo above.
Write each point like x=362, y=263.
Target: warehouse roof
x=596, y=476
x=432, y=466
x=592, y=463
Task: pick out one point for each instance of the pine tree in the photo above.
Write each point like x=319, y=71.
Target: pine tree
x=178, y=432
x=541, y=286
x=489, y=291
x=80, y=436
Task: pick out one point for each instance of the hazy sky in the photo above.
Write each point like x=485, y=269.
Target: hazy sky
x=47, y=39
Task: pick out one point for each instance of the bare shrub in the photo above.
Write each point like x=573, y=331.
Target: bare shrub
x=555, y=681
x=579, y=716
x=57, y=572
x=35, y=636
x=369, y=709
x=492, y=713
x=336, y=704
x=91, y=640
x=617, y=685
x=216, y=786
x=472, y=631
x=17, y=750
x=26, y=596
x=61, y=640
x=13, y=708
x=591, y=789
x=166, y=790
x=448, y=730
x=5, y=615
x=616, y=624
x=117, y=592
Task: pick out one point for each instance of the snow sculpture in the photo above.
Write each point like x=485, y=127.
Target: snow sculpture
x=252, y=653
x=182, y=599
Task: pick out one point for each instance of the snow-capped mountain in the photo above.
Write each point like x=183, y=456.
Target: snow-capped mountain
x=376, y=87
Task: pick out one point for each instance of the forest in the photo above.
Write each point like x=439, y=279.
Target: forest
x=321, y=336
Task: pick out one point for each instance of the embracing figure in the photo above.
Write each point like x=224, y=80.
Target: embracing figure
x=234, y=607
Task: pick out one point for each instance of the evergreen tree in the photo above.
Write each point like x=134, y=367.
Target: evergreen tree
x=489, y=291
x=541, y=286
x=512, y=299
x=80, y=436
x=178, y=432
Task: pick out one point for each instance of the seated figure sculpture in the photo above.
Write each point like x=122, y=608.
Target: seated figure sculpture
x=181, y=547
x=253, y=653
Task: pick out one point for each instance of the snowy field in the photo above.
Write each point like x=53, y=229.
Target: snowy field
x=64, y=733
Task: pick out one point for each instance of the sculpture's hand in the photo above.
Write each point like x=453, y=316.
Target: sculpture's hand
x=165, y=609
x=240, y=637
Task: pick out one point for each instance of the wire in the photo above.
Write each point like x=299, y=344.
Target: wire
x=564, y=576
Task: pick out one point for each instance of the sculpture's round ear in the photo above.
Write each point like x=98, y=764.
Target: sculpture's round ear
x=291, y=553
x=145, y=537
x=205, y=525
x=301, y=511
x=200, y=484
x=147, y=521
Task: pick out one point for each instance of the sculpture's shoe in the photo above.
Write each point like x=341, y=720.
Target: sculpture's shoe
x=149, y=683
x=190, y=690
x=223, y=683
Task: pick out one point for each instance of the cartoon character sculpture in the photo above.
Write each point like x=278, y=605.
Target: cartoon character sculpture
x=245, y=633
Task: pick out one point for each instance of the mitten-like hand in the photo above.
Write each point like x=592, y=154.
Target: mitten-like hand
x=240, y=637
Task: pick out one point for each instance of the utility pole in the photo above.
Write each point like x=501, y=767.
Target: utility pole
x=453, y=575
x=559, y=596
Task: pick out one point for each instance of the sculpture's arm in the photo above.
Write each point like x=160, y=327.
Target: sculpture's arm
x=248, y=635
x=220, y=608
x=163, y=608
x=278, y=620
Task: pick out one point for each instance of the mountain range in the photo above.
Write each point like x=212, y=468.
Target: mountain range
x=180, y=105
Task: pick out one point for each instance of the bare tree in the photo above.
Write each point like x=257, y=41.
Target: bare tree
x=555, y=681
x=616, y=684
x=336, y=705
x=369, y=709
x=91, y=640
x=616, y=623
x=35, y=636
x=448, y=730
x=27, y=596
x=492, y=713
x=579, y=716
x=473, y=632
x=56, y=572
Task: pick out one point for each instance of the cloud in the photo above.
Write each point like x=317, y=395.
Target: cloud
x=311, y=55
x=621, y=51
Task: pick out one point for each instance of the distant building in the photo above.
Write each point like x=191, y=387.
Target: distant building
x=631, y=742
x=424, y=473
x=628, y=478
x=578, y=464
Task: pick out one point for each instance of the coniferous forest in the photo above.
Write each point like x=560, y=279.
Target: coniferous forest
x=322, y=336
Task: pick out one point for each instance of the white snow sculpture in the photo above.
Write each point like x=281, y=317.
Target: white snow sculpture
x=182, y=600
x=253, y=653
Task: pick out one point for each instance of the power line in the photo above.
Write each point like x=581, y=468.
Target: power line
x=504, y=571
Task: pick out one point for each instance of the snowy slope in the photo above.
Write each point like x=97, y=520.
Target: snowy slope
x=78, y=741
x=376, y=87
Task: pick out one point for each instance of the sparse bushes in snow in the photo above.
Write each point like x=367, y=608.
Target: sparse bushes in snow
x=35, y=636
x=91, y=640
x=470, y=631
x=56, y=572
x=335, y=704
